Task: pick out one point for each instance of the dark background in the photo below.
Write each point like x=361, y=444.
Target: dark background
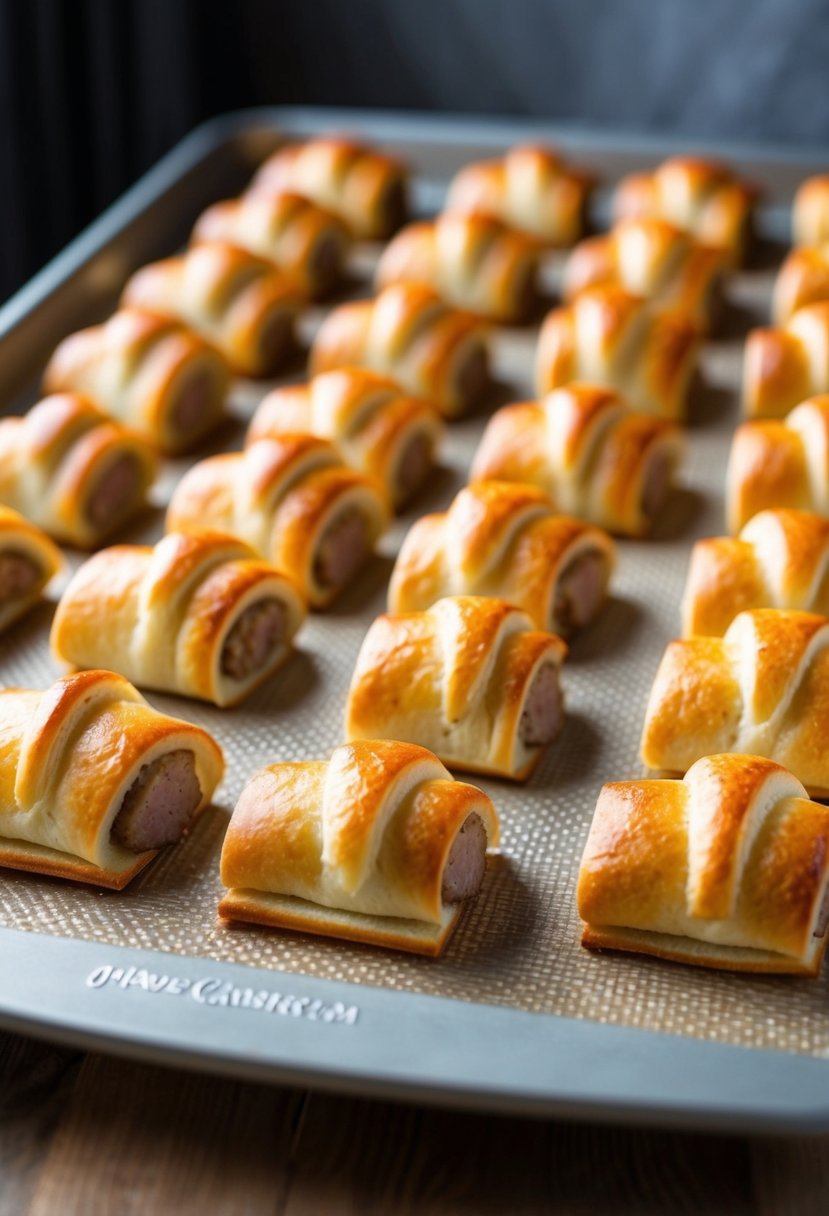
x=92, y=92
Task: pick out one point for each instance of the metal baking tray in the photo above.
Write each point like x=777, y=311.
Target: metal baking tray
x=516, y=1016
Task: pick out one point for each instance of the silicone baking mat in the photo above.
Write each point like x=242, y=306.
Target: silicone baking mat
x=518, y=945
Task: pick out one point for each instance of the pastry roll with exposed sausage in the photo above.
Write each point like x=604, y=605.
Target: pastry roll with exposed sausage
x=802, y=279
x=780, y=464
x=308, y=242
x=506, y=541
x=651, y=258
x=378, y=845
x=151, y=373
x=408, y=332
x=473, y=261
x=589, y=451
x=94, y=781
x=199, y=615
x=380, y=429
x=294, y=502
x=608, y=336
x=728, y=868
x=701, y=197
x=531, y=188
x=28, y=561
x=784, y=365
x=810, y=211
x=469, y=678
x=73, y=471
x=779, y=560
x=762, y=688
x=365, y=188
x=240, y=303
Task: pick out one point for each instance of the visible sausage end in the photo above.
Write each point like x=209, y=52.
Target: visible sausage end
x=472, y=376
x=823, y=915
x=466, y=863
x=543, y=713
x=114, y=494
x=392, y=207
x=19, y=575
x=657, y=484
x=342, y=549
x=580, y=593
x=192, y=412
x=160, y=804
x=325, y=269
x=412, y=467
x=253, y=638
x=275, y=340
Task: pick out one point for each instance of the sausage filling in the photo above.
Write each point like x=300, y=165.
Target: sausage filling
x=160, y=804
x=253, y=639
x=19, y=575
x=114, y=494
x=543, y=712
x=473, y=375
x=392, y=208
x=194, y=409
x=525, y=292
x=466, y=863
x=412, y=467
x=343, y=548
x=657, y=484
x=275, y=339
x=325, y=265
x=823, y=916
x=580, y=593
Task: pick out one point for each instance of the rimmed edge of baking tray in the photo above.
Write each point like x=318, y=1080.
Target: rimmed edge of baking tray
x=367, y=1040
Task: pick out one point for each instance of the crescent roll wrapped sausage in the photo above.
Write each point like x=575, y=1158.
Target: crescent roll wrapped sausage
x=651, y=258
x=762, y=688
x=28, y=560
x=784, y=365
x=308, y=242
x=94, y=781
x=530, y=188
x=699, y=196
x=473, y=261
x=728, y=868
x=379, y=429
x=780, y=464
x=294, y=502
x=470, y=679
x=72, y=470
x=365, y=188
x=149, y=372
x=198, y=615
x=506, y=541
x=810, y=211
x=779, y=560
x=802, y=279
x=589, y=451
x=610, y=337
x=377, y=845
x=240, y=303
x=408, y=332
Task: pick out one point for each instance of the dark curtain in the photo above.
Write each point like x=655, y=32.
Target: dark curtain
x=92, y=92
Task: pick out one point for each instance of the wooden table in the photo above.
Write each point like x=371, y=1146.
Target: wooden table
x=86, y=1135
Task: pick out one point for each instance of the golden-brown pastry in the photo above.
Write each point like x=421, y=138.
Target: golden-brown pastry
x=72, y=470
x=294, y=502
x=506, y=540
x=810, y=211
x=589, y=451
x=378, y=428
x=94, y=781
x=802, y=279
x=651, y=258
x=28, y=560
x=473, y=261
x=198, y=615
x=530, y=188
x=469, y=678
x=408, y=332
x=610, y=337
x=728, y=868
x=779, y=560
x=780, y=464
x=148, y=372
x=240, y=303
x=308, y=242
x=786, y=364
x=762, y=688
x=700, y=196
x=365, y=188
x=376, y=845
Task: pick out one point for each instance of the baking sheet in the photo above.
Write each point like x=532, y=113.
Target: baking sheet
x=517, y=946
